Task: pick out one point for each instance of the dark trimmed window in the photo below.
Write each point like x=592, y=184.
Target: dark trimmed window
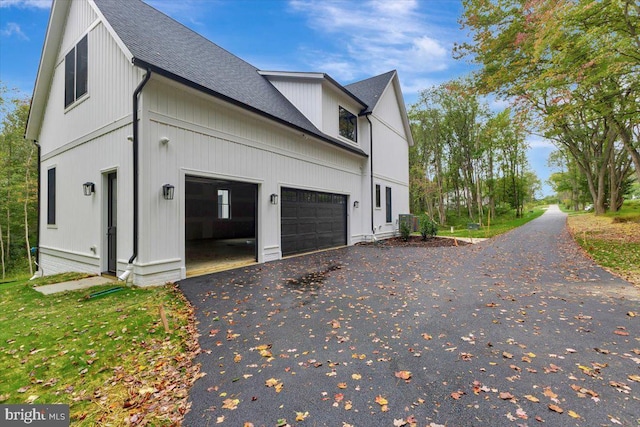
x=348, y=124
x=76, y=72
x=378, y=201
x=51, y=196
x=388, y=203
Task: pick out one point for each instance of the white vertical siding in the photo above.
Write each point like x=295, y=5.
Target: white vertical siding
x=79, y=225
x=82, y=142
x=331, y=103
x=81, y=16
x=111, y=81
x=305, y=94
x=209, y=138
x=390, y=160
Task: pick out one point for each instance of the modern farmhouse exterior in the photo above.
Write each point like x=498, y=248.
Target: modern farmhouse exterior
x=159, y=150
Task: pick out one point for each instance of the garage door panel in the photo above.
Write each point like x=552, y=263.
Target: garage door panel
x=312, y=220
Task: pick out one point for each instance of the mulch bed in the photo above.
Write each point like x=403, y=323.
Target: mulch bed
x=416, y=241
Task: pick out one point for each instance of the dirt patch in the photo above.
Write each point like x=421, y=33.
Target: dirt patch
x=416, y=241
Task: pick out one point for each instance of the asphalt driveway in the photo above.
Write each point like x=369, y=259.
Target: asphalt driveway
x=518, y=330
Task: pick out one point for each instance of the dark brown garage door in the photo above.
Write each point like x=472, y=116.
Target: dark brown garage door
x=311, y=220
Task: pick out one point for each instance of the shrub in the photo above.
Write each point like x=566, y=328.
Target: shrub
x=428, y=227
x=405, y=230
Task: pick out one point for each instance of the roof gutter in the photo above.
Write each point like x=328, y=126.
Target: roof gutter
x=136, y=94
x=171, y=76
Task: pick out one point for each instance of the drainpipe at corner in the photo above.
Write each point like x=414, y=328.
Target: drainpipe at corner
x=136, y=93
x=37, y=246
x=373, y=195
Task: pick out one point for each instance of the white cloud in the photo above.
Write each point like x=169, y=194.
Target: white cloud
x=537, y=142
x=13, y=29
x=38, y=4
x=381, y=35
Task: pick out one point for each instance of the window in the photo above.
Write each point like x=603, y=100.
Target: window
x=388, y=203
x=224, y=206
x=75, y=72
x=51, y=196
x=378, y=196
x=348, y=125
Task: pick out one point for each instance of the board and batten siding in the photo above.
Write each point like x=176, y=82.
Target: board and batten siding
x=210, y=138
x=83, y=142
x=332, y=100
x=111, y=81
x=390, y=160
x=305, y=94
x=80, y=220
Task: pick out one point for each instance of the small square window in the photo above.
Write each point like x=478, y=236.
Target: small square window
x=348, y=124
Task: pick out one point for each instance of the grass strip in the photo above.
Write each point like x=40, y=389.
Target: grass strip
x=109, y=358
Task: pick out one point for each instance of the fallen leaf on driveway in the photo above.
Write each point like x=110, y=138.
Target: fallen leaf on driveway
x=457, y=394
x=230, y=404
x=556, y=408
x=505, y=395
x=403, y=375
x=573, y=414
x=532, y=398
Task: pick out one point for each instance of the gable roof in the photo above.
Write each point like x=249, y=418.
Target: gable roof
x=370, y=90
x=166, y=47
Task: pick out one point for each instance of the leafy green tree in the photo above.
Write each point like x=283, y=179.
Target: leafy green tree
x=18, y=184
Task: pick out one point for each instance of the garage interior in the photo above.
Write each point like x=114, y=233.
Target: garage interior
x=220, y=225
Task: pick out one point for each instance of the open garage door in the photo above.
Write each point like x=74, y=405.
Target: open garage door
x=312, y=220
x=220, y=224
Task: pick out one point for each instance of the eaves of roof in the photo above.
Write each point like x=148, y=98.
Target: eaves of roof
x=326, y=138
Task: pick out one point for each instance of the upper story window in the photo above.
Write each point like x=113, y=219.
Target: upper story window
x=75, y=72
x=348, y=125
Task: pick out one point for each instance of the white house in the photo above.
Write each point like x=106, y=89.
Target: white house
x=162, y=154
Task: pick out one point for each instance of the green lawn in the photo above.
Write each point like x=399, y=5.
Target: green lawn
x=612, y=240
x=498, y=225
x=107, y=357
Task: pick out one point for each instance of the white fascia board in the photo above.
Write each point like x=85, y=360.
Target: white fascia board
x=400, y=100
x=52, y=40
x=119, y=42
x=292, y=74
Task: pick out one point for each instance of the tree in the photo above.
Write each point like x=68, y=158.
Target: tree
x=18, y=175
x=567, y=65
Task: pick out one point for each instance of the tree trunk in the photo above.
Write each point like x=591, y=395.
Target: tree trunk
x=2, y=251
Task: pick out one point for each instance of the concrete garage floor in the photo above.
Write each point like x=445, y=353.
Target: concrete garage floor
x=209, y=256
x=522, y=329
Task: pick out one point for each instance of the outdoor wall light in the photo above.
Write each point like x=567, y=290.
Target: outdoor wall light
x=167, y=191
x=88, y=188
x=274, y=199
x=356, y=204
x=164, y=140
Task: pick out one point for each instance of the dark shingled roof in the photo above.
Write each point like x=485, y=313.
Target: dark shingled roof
x=370, y=90
x=167, y=47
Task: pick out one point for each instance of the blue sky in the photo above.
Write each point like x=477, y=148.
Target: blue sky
x=349, y=40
